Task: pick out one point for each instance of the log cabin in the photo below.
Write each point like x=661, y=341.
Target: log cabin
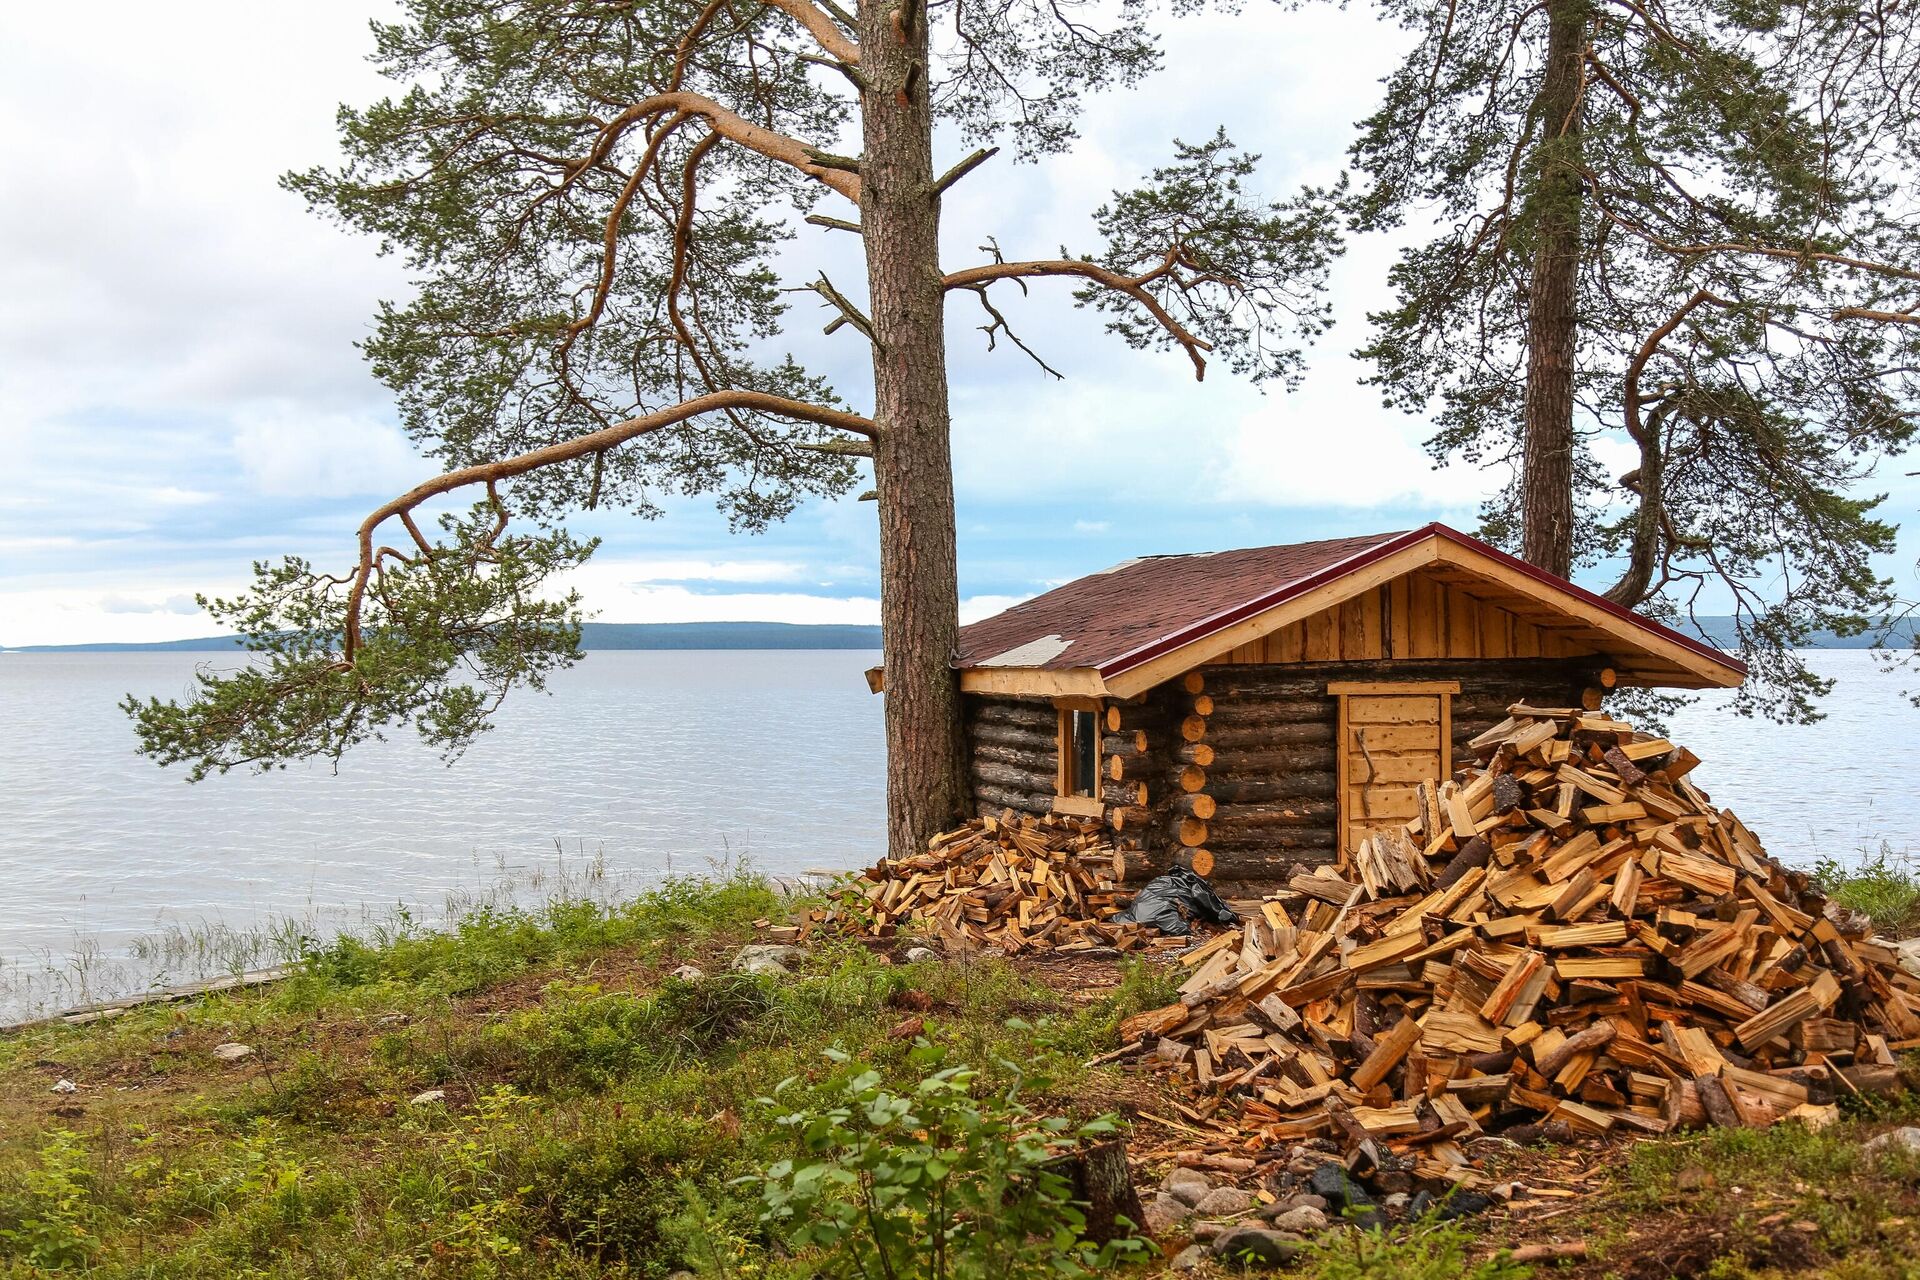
x=1246, y=712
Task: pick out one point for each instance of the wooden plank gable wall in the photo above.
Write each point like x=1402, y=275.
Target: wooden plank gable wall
x=1420, y=615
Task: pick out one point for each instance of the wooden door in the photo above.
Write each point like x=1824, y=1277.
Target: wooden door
x=1393, y=736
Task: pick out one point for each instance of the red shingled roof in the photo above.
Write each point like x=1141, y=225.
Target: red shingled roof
x=1116, y=620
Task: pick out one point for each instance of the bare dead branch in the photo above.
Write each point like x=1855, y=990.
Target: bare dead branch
x=1194, y=345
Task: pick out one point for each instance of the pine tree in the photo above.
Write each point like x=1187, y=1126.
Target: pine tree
x=1685, y=233
x=590, y=195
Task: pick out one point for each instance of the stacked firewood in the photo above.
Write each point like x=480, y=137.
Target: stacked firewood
x=1570, y=934
x=1018, y=883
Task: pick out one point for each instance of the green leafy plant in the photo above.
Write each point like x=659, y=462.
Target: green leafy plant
x=933, y=1183
x=1885, y=885
x=51, y=1209
x=1434, y=1252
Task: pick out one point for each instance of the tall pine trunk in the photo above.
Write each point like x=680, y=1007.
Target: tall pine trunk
x=912, y=456
x=1546, y=485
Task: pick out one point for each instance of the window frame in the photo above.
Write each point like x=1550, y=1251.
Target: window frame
x=1066, y=797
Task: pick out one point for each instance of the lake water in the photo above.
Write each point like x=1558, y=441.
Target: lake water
x=639, y=765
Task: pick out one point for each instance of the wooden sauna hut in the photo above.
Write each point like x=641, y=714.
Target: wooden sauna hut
x=1246, y=711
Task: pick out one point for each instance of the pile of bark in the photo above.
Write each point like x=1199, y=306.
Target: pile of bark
x=1570, y=934
x=1017, y=883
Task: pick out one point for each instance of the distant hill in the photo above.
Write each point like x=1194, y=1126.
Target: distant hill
x=593, y=635
x=1719, y=631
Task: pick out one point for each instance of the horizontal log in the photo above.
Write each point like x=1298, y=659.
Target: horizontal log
x=1016, y=735
x=1243, y=787
x=1125, y=716
x=1202, y=705
x=1247, y=713
x=1019, y=757
x=1272, y=735
x=1193, y=728
x=1128, y=817
x=1303, y=813
x=1035, y=713
x=1190, y=832
x=1200, y=753
x=1272, y=761
x=1133, y=742
x=1041, y=781
x=1127, y=794
x=1196, y=681
x=1189, y=778
x=991, y=799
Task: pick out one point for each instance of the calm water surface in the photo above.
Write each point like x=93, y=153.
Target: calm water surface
x=641, y=763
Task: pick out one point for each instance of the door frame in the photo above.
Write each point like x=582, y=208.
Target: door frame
x=1340, y=690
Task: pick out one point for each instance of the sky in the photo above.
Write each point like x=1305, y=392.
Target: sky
x=180, y=394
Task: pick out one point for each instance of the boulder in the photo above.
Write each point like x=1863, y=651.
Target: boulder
x=767, y=957
x=1258, y=1247
x=916, y=955
x=688, y=973
x=1301, y=1219
x=1905, y=1141
x=232, y=1051
x=63, y=1085
x=1191, y=1258
x=1189, y=1186
x=1163, y=1213
x=1344, y=1196
x=1225, y=1202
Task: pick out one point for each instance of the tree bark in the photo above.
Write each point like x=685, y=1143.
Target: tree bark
x=1546, y=485
x=912, y=452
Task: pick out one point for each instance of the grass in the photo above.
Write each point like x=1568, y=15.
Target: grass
x=1885, y=885
x=596, y=1115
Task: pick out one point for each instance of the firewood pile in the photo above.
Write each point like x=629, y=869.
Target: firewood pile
x=1569, y=936
x=1018, y=883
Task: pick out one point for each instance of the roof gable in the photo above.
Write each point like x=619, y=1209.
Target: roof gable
x=1123, y=630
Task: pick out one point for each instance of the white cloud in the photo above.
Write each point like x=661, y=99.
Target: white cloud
x=284, y=452
x=974, y=608
x=181, y=604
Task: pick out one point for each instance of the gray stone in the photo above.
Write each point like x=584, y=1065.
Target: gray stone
x=767, y=957
x=1204, y=1231
x=1306, y=1198
x=916, y=955
x=64, y=1085
x=1189, y=1186
x=1163, y=1213
x=1398, y=1200
x=1905, y=1141
x=1226, y=1201
x=1191, y=1258
x=232, y=1051
x=688, y=973
x=1258, y=1247
x=428, y=1098
x=1304, y=1219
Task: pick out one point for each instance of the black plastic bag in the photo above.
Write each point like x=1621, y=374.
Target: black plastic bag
x=1169, y=901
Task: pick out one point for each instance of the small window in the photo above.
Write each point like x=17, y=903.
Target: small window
x=1079, y=753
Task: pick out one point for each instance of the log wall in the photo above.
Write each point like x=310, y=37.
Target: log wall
x=1272, y=729
x=1013, y=753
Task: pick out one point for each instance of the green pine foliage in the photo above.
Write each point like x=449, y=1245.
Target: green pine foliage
x=1749, y=273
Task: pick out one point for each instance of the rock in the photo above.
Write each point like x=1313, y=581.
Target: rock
x=771, y=958
x=1461, y=1204
x=1306, y=1198
x=1345, y=1196
x=1395, y=1202
x=64, y=1085
x=428, y=1098
x=1191, y=1258
x=391, y=1020
x=1163, y=1214
x=1301, y=1219
x=917, y=955
x=1204, y=1231
x=1226, y=1201
x=232, y=1051
x=1694, y=1178
x=688, y=973
x=1905, y=1141
x=1189, y=1186
x=1258, y=1247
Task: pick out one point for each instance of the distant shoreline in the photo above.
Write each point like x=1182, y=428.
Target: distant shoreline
x=593, y=635
x=797, y=635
